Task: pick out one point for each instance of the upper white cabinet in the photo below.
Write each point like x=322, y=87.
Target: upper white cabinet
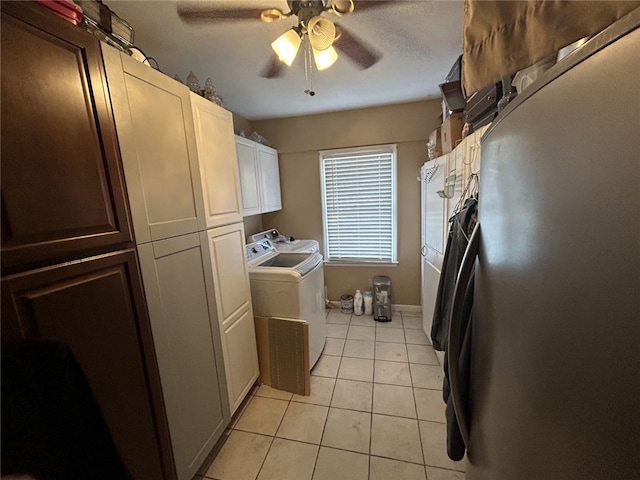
x=249, y=176
x=155, y=130
x=445, y=183
x=472, y=152
x=259, y=177
x=218, y=165
x=434, y=208
x=456, y=176
x=269, y=178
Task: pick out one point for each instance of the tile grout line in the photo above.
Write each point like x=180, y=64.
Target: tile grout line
x=373, y=386
x=415, y=405
x=315, y=464
x=273, y=439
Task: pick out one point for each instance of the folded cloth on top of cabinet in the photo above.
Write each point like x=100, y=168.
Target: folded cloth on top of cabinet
x=500, y=38
x=462, y=225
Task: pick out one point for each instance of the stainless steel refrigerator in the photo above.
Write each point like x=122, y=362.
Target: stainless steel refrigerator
x=552, y=390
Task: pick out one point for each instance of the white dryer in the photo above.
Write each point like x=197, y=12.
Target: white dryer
x=284, y=243
x=289, y=285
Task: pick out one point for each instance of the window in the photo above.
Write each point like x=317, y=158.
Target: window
x=359, y=204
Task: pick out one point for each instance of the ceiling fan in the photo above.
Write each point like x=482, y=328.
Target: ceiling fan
x=323, y=35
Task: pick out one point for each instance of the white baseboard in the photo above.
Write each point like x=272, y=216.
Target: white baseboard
x=413, y=309
x=410, y=309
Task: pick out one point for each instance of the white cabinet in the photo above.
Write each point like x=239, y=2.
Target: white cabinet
x=187, y=346
x=269, y=178
x=472, y=152
x=249, y=176
x=155, y=131
x=456, y=176
x=453, y=169
x=433, y=175
x=434, y=210
x=233, y=308
x=259, y=177
x=182, y=179
x=219, y=173
x=218, y=164
x=429, y=292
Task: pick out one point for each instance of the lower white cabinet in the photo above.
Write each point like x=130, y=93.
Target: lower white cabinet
x=241, y=359
x=259, y=177
x=233, y=308
x=177, y=281
x=432, y=175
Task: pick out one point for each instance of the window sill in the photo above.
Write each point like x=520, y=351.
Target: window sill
x=343, y=263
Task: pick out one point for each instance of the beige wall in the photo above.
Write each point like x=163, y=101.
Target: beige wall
x=298, y=140
x=241, y=124
x=252, y=224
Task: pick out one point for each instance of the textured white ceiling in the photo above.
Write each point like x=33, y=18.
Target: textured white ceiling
x=419, y=41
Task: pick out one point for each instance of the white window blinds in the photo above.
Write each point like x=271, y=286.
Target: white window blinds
x=359, y=204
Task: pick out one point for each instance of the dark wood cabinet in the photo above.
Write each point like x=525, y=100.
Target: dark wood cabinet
x=69, y=267
x=62, y=184
x=95, y=306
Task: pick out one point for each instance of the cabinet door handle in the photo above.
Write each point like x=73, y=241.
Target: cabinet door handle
x=454, y=342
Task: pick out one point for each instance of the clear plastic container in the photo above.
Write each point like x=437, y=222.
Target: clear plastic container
x=358, y=303
x=368, y=303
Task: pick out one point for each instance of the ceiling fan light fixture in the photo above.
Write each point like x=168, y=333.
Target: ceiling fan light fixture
x=325, y=58
x=287, y=45
x=322, y=32
x=342, y=7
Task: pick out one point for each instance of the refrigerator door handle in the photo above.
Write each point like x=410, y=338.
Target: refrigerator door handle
x=454, y=342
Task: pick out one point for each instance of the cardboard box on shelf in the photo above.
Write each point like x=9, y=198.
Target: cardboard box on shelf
x=451, y=132
x=434, y=146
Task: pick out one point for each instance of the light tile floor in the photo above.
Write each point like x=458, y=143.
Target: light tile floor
x=375, y=413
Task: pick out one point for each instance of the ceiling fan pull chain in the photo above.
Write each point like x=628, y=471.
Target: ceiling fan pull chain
x=308, y=69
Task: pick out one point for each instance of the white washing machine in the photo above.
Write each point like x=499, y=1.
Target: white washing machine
x=289, y=285
x=284, y=243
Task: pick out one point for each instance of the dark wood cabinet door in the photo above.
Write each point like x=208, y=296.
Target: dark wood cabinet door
x=96, y=306
x=62, y=183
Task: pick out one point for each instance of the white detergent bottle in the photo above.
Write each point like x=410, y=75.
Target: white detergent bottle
x=368, y=303
x=358, y=303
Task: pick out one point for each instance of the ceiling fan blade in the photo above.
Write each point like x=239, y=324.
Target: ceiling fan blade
x=274, y=68
x=358, y=51
x=362, y=5
x=198, y=13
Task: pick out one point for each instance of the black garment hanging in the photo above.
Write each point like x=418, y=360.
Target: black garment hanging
x=462, y=224
x=455, y=443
